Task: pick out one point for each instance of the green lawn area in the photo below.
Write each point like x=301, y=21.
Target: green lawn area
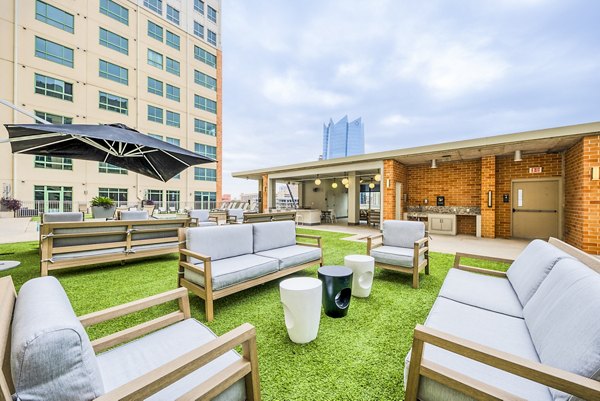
x=359, y=357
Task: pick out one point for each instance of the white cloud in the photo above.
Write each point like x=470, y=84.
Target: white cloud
x=394, y=120
x=290, y=90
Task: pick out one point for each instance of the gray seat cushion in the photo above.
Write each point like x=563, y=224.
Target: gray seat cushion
x=393, y=255
x=87, y=254
x=134, y=215
x=207, y=223
x=492, y=329
x=200, y=214
x=487, y=292
x=51, y=355
x=272, y=235
x=132, y=360
x=235, y=270
x=220, y=242
x=402, y=233
x=531, y=268
x=294, y=255
x=119, y=235
x=563, y=317
x=59, y=217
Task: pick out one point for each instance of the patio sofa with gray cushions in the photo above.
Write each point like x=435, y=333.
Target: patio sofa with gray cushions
x=532, y=333
x=47, y=354
x=219, y=261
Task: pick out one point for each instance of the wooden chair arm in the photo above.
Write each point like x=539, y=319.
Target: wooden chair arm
x=559, y=379
x=308, y=236
x=371, y=244
x=193, y=254
x=422, y=241
x=480, y=270
x=165, y=375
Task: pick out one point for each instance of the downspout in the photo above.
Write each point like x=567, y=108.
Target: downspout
x=137, y=95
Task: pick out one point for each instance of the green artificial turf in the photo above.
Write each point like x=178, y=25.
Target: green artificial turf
x=359, y=357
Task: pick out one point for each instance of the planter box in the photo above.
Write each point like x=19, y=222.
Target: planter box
x=99, y=212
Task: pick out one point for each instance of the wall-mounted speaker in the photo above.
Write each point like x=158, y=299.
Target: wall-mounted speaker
x=315, y=189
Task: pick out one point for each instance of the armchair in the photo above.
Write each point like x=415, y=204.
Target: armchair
x=202, y=218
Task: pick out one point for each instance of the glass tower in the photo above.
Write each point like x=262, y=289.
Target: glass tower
x=343, y=138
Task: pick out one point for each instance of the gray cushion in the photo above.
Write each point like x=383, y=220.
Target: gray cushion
x=120, y=235
x=402, y=233
x=87, y=254
x=294, y=255
x=51, y=355
x=274, y=235
x=130, y=361
x=495, y=330
x=238, y=213
x=487, y=292
x=155, y=246
x=220, y=242
x=134, y=215
x=393, y=255
x=139, y=233
x=231, y=271
x=563, y=317
x=200, y=214
x=207, y=223
x=59, y=217
x=531, y=268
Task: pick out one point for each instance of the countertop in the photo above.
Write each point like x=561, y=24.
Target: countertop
x=424, y=211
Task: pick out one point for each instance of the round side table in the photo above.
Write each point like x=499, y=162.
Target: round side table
x=301, y=300
x=8, y=264
x=363, y=267
x=337, y=289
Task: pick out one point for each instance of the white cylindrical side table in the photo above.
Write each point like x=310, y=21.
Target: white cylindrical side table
x=363, y=267
x=301, y=299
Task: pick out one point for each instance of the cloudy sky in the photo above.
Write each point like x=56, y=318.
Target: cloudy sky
x=417, y=72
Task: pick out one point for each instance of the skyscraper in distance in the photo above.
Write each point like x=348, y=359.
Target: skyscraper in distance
x=343, y=138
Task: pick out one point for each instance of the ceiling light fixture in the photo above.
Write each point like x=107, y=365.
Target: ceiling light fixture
x=371, y=185
x=318, y=180
x=334, y=184
x=347, y=186
x=377, y=177
x=433, y=163
x=518, y=157
x=345, y=180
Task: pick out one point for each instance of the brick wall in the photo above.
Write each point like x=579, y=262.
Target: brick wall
x=265, y=193
x=573, y=231
x=488, y=183
x=506, y=171
x=395, y=172
x=466, y=225
x=591, y=196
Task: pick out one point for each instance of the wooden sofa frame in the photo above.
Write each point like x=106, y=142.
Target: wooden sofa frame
x=208, y=294
x=266, y=217
x=568, y=382
x=420, y=247
x=48, y=235
x=154, y=381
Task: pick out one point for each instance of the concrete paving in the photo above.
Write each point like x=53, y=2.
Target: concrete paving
x=18, y=230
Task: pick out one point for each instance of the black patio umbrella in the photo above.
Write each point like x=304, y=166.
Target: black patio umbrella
x=116, y=144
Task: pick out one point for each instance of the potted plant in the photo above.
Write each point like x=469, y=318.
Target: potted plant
x=10, y=204
x=103, y=207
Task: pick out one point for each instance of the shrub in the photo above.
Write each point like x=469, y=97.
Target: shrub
x=103, y=201
x=11, y=204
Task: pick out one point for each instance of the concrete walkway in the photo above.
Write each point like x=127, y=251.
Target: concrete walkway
x=18, y=230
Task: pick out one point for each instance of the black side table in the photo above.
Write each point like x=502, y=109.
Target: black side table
x=337, y=289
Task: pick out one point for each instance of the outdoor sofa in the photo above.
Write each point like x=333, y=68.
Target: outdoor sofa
x=222, y=260
x=47, y=354
x=133, y=215
x=54, y=217
x=532, y=333
x=264, y=217
x=74, y=244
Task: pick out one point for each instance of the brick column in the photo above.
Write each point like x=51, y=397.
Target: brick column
x=265, y=193
x=394, y=171
x=591, y=196
x=488, y=183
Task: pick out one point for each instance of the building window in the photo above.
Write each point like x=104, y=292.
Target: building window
x=173, y=14
x=173, y=92
x=204, y=56
x=212, y=14
x=155, y=195
x=204, y=127
x=205, y=150
x=205, y=80
x=53, y=199
x=155, y=31
x=155, y=59
x=54, y=118
x=205, y=200
x=155, y=114
x=51, y=51
x=173, y=40
x=205, y=104
x=155, y=136
x=155, y=86
x=212, y=38
x=109, y=168
x=154, y=5
x=54, y=16
x=199, y=6
x=53, y=87
x=119, y=195
x=114, y=41
x=172, y=200
x=198, y=29
x=205, y=174
x=56, y=163
x=173, y=66
x=114, y=103
x=115, y=11
x=114, y=72
x=173, y=119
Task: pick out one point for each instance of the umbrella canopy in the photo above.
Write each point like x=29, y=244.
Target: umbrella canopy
x=116, y=144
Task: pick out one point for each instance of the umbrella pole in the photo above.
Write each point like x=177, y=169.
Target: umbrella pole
x=23, y=111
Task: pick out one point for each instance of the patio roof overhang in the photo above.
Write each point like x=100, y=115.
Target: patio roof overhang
x=550, y=140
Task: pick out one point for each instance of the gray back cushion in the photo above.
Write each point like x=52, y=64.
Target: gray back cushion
x=238, y=213
x=220, y=242
x=563, y=318
x=200, y=214
x=134, y=215
x=60, y=217
x=402, y=233
x=531, y=268
x=271, y=235
x=51, y=355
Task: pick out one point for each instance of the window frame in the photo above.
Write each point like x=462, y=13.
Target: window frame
x=205, y=56
x=202, y=127
x=173, y=15
x=170, y=64
x=107, y=168
x=154, y=63
x=154, y=118
x=204, y=103
x=205, y=152
x=170, y=119
x=53, y=162
x=198, y=176
x=201, y=79
x=105, y=41
x=174, y=89
x=151, y=31
x=110, y=107
x=52, y=22
x=198, y=29
x=211, y=37
x=211, y=16
x=49, y=92
x=152, y=89
x=46, y=55
x=106, y=74
x=50, y=117
x=175, y=45
x=112, y=14
x=154, y=5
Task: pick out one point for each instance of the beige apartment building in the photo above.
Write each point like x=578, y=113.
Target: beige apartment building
x=154, y=65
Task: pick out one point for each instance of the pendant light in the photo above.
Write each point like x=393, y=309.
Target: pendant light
x=345, y=180
x=377, y=177
x=334, y=184
x=318, y=180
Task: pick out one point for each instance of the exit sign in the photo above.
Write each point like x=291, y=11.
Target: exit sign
x=535, y=170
